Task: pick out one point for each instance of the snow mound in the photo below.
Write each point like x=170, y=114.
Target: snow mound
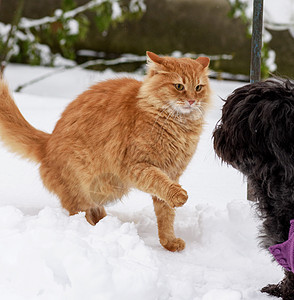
x=55, y=256
x=222, y=294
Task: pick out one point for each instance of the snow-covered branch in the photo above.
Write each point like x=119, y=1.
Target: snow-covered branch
x=66, y=26
x=26, y=23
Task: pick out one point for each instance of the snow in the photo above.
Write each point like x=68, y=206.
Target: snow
x=116, y=11
x=46, y=254
x=73, y=26
x=137, y=5
x=279, y=12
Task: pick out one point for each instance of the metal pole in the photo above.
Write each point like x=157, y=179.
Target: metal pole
x=256, y=45
x=256, y=41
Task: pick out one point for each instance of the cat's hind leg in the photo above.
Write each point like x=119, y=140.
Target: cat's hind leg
x=165, y=222
x=78, y=203
x=72, y=195
x=95, y=214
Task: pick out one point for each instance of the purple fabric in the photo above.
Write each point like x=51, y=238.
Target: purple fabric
x=284, y=253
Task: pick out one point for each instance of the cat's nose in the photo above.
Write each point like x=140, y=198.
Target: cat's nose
x=191, y=102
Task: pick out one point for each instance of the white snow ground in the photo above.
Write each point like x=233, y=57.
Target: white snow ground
x=45, y=254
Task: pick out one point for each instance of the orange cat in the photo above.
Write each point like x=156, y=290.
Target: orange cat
x=120, y=134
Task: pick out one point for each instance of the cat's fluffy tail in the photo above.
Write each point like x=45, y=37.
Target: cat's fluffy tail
x=16, y=133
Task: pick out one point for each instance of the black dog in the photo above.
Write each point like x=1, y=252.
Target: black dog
x=256, y=136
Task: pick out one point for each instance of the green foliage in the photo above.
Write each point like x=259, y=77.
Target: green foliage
x=238, y=9
x=103, y=16
x=63, y=30
x=67, y=5
x=29, y=53
x=84, y=24
x=265, y=69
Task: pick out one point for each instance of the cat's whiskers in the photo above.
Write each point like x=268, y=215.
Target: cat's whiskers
x=179, y=116
x=199, y=110
x=160, y=114
x=171, y=114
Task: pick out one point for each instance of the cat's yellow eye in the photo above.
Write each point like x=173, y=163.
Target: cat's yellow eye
x=199, y=87
x=179, y=86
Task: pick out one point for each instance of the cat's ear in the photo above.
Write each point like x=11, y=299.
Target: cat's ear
x=153, y=58
x=155, y=63
x=204, y=61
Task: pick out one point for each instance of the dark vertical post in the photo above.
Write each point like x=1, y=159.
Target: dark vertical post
x=256, y=41
x=256, y=45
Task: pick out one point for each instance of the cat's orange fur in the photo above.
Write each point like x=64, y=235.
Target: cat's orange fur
x=117, y=135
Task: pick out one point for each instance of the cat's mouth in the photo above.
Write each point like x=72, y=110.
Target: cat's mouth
x=185, y=108
x=188, y=107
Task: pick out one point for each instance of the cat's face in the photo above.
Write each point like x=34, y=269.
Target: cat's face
x=177, y=85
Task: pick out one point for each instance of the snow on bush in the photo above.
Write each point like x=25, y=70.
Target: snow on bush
x=68, y=24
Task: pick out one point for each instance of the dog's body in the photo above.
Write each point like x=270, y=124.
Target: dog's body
x=256, y=136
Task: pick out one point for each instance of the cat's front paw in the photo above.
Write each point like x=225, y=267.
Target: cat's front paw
x=175, y=244
x=177, y=196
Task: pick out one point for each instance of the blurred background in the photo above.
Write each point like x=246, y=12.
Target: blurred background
x=115, y=34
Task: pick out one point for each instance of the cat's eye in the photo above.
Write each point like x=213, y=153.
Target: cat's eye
x=179, y=86
x=199, y=87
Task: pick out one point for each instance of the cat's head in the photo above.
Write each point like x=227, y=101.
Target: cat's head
x=178, y=85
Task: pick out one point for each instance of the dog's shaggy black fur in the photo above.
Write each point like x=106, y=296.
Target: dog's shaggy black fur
x=256, y=136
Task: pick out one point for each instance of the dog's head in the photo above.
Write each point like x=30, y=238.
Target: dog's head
x=257, y=127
